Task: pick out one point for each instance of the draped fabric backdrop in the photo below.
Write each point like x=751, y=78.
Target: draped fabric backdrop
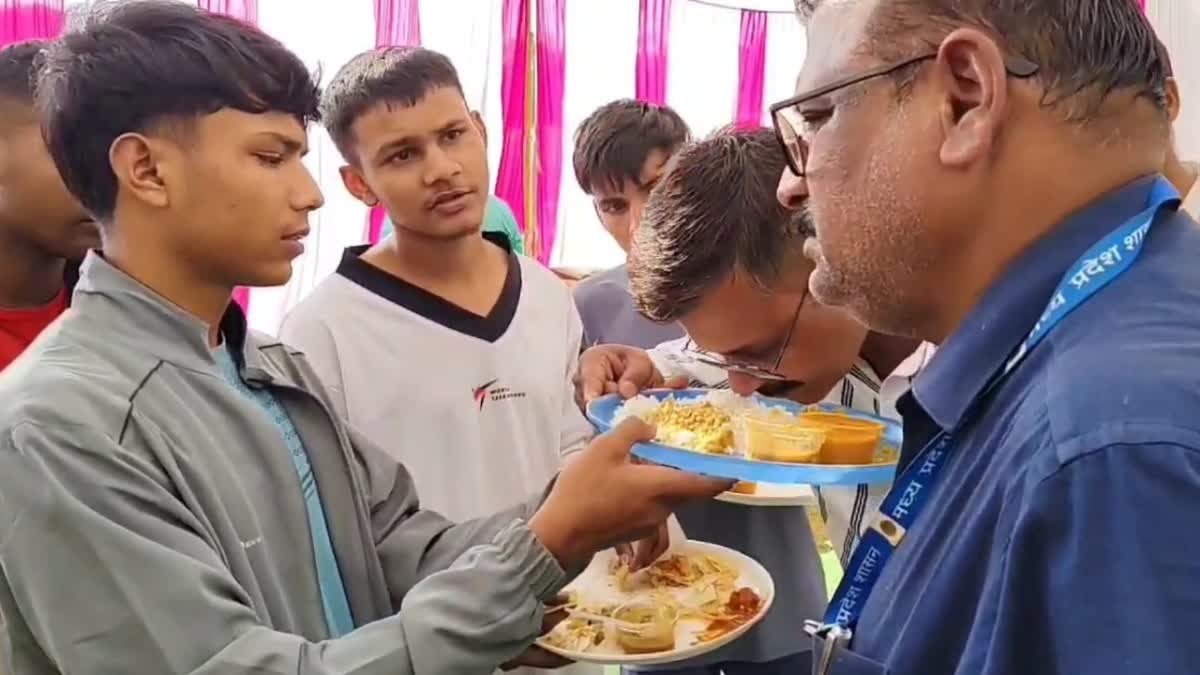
x=1178, y=24
x=22, y=20
x=654, y=31
x=752, y=68
x=601, y=65
x=693, y=56
x=510, y=178
x=551, y=69
x=397, y=24
x=246, y=10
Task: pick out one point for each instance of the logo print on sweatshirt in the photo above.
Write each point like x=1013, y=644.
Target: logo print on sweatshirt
x=489, y=391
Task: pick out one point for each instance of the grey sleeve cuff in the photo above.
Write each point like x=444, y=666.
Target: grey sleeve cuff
x=530, y=559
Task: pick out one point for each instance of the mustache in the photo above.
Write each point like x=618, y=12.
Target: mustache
x=800, y=224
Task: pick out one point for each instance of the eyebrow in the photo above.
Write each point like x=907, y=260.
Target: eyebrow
x=289, y=143
x=412, y=139
x=391, y=146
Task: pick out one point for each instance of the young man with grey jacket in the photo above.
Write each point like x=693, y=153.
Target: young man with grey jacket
x=176, y=495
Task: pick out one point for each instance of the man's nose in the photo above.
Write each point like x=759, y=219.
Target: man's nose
x=637, y=208
x=792, y=191
x=743, y=384
x=308, y=197
x=440, y=165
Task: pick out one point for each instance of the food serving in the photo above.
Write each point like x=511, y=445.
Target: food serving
x=682, y=605
x=724, y=423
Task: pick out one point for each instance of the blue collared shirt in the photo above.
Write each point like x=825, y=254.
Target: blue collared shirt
x=1059, y=539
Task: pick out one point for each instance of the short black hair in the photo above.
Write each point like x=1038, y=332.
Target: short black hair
x=396, y=75
x=137, y=65
x=1165, y=55
x=1084, y=49
x=612, y=144
x=714, y=213
x=18, y=69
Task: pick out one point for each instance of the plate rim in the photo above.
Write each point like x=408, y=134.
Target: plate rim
x=658, y=658
x=743, y=499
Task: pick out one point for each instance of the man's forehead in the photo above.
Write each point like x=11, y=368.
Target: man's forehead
x=734, y=314
x=228, y=123
x=605, y=191
x=837, y=33
x=652, y=168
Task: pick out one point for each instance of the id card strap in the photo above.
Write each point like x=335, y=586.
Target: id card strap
x=1103, y=262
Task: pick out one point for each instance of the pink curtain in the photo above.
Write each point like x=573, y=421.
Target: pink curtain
x=752, y=66
x=22, y=20
x=397, y=24
x=552, y=71
x=510, y=179
x=654, y=31
x=246, y=10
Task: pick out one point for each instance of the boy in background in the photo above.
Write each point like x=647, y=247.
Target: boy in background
x=439, y=343
x=621, y=152
x=44, y=231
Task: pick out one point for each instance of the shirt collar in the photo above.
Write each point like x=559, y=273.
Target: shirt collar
x=116, y=301
x=862, y=372
x=967, y=360
x=915, y=363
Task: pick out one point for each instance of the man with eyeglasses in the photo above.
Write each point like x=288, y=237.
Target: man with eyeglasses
x=997, y=192
x=729, y=268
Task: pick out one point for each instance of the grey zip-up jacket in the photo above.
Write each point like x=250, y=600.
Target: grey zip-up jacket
x=151, y=519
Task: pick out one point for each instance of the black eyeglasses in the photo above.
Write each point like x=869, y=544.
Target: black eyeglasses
x=789, y=123
x=769, y=373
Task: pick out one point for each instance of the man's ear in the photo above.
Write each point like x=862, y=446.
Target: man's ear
x=973, y=79
x=356, y=185
x=1173, y=102
x=477, y=119
x=144, y=167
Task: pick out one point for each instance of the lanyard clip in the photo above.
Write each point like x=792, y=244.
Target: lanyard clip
x=827, y=630
x=890, y=529
x=835, y=637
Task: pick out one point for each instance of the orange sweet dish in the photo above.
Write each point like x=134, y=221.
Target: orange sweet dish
x=848, y=440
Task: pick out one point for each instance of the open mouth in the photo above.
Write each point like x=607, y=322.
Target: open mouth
x=448, y=198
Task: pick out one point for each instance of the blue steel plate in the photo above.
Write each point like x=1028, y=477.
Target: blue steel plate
x=602, y=411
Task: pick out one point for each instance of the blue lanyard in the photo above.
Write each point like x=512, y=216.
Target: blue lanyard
x=1106, y=260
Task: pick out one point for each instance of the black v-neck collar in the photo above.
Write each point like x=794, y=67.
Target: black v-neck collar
x=433, y=307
